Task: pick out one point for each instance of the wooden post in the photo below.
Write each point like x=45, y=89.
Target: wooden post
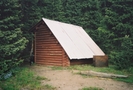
x=35, y=48
x=31, y=51
x=62, y=57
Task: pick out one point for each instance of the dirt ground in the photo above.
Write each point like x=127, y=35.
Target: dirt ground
x=68, y=80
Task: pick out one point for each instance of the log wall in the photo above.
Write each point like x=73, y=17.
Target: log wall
x=48, y=50
x=81, y=61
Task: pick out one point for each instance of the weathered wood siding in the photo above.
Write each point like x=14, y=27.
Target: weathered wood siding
x=48, y=50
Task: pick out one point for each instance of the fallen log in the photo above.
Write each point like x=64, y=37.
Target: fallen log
x=103, y=75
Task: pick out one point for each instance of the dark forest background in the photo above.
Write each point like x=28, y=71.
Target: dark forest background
x=108, y=22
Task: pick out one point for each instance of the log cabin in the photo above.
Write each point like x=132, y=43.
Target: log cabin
x=62, y=44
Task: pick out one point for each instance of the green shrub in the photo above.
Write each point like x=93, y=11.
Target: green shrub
x=122, y=56
x=24, y=79
x=9, y=73
x=12, y=42
x=120, y=60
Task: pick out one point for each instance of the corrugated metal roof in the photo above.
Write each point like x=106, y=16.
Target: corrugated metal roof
x=74, y=40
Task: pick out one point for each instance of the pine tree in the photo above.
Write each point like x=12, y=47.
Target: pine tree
x=11, y=40
x=90, y=14
x=117, y=21
x=52, y=9
x=72, y=11
x=31, y=15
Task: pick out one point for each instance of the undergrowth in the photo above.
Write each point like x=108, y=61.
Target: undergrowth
x=24, y=79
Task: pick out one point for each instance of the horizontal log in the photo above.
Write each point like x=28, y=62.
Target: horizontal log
x=52, y=64
x=44, y=35
x=46, y=50
x=42, y=26
x=50, y=54
x=48, y=45
x=47, y=34
x=51, y=57
x=52, y=61
x=43, y=30
x=48, y=63
x=47, y=55
x=50, y=51
x=103, y=75
x=46, y=42
x=45, y=38
x=78, y=62
x=48, y=58
x=48, y=39
x=54, y=58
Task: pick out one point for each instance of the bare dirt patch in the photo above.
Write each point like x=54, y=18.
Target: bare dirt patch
x=67, y=80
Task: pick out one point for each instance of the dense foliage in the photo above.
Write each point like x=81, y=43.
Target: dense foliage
x=11, y=40
x=108, y=22
x=117, y=24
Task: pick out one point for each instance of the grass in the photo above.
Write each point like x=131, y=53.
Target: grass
x=91, y=88
x=129, y=72
x=58, y=67
x=49, y=87
x=109, y=69
x=42, y=78
x=24, y=79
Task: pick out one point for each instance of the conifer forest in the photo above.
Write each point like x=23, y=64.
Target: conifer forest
x=108, y=22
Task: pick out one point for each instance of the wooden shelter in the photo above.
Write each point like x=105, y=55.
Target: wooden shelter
x=62, y=44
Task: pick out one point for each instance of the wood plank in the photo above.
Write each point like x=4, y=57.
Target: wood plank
x=49, y=60
x=55, y=61
x=47, y=49
x=49, y=56
x=50, y=64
